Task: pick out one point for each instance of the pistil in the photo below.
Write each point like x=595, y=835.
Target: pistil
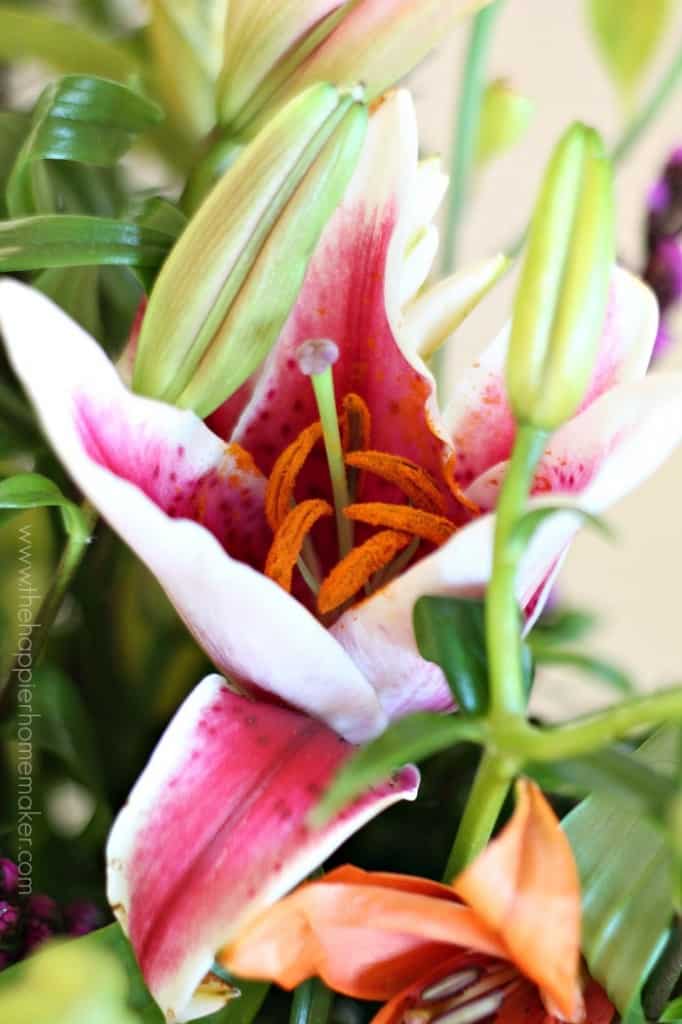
x=315, y=360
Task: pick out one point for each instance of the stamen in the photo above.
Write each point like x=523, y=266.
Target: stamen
x=289, y=539
x=356, y=423
x=315, y=359
x=351, y=574
x=479, y=1009
x=279, y=493
x=456, y=491
x=418, y=485
x=436, y=529
x=451, y=985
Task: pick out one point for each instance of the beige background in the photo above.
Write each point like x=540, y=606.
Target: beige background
x=544, y=47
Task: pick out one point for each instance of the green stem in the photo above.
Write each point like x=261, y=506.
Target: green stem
x=72, y=556
x=312, y=1003
x=635, y=130
x=503, y=634
x=641, y=121
x=590, y=732
x=465, y=137
x=665, y=975
x=488, y=793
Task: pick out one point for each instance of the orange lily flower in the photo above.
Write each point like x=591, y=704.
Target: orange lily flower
x=502, y=942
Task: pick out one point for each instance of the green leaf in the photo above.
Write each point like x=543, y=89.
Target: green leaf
x=65, y=728
x=566, y=625
x=65, y=46
x=451, y=633
x=76, y=291
x=89, y=120
x=529, y=522
x=625, y=868
x=618, y=774
x=113, y=941
x=312, y=1003
x=410, y=739
x=31, y=490
x=627, y=36
x=13, y=129
x=603, y=670
x=69, y=240
x=673, y=1011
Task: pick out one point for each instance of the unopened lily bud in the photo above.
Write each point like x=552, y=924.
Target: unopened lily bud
x=229, y=284
x=505, y=117
x=187, y=35
x=275, y=48
x=561, y=300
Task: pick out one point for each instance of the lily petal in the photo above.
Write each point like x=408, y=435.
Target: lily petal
x=365, y=935
x=216, y=829
x=112, y=444
x=352, y=294
x=525, y=887
x=478, y=417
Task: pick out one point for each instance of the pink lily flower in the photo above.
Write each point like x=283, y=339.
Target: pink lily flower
x=216, y=827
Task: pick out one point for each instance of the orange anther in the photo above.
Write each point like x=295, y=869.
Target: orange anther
x=282, y=483
x=436, y=529
x=345, y=579
x=456, y=491
x=418, y=485
x=356, y=423
x=291, y=533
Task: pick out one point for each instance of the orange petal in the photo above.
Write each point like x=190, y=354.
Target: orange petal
x=289, y=538
x=364, y=939
x=525, y=886
x=415, y=483
x=436, y=529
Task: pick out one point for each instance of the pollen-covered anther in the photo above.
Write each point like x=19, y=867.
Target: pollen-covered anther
x=289, y=538
x=357, y=568
x=458, y=494
x=435, y=529
x=415, y=483
x=279, y=493
x=356, y=423
x=316, y=356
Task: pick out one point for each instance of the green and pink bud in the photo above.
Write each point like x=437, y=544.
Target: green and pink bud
x=274, y=49
x=229, y=284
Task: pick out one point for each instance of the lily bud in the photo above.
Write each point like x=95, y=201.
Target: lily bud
x=275, y=48
x=561, y=300
x=227, y=288
x=187, y=35
x=505, y=117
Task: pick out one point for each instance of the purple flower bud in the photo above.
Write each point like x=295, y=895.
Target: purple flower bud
x=9, y=920
x=9, y=875
x=43, y=907
x=81, y=917
x=37, y=932
x=664, y=272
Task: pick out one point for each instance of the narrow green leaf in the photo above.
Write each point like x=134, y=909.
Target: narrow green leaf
x=616, y=773
x=76, y=291
x=627, y=36
x=312, y=1003
x=565, y=625
x=89, y=120
x=13, y=130
x=65, y=46
x=31, y=490
x=410, y=739
x=70, y=240
x=65, y=728
x=602, y=670
x=673, y=1011
x=451, y=633
x=625, y=870
x=530, y=522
